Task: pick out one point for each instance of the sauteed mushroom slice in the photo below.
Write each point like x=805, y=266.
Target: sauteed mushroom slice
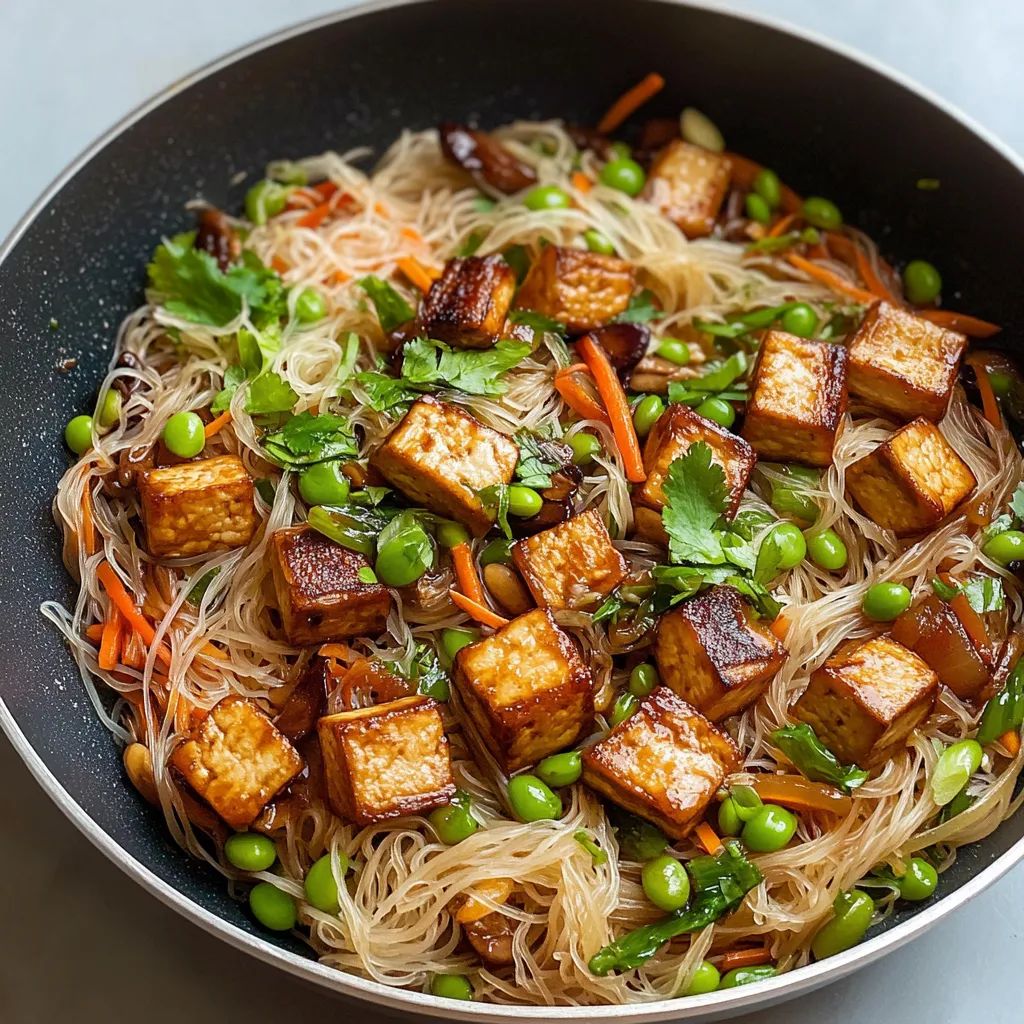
x=485, y=158
x=491, y=937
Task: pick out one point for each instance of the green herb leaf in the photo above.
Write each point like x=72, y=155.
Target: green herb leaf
x=256, y=351
x=385, y=393
x=536, y=462
x=268, y=393
x=233, y=377
x=1017, y=502
x=392, y=309
x=801, y=745
x=306, y=439
x=758, y=595
x=495, y=501
x=538, y=322
x=582, y=836
x=984, y=593
x=266, y=489
x=366, y=575
x=425, y=671
x=696, y=497
x=353, y=526
x=479, y=372
x=642, y=309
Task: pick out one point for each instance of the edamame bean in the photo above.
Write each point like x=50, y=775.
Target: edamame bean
x=705, y=979
x=624, y=707
x=453, y=823
x=584, y=447
x=885, y=601
x=110, y=411
x=800, y=320
x=532, y=800
x=265, y=199
x=920, y=880
x=310, y=306
x=922, y=283
x=646, y=414
x=767, y=185
x=249, y=851
x=789, y=545
x=827, y=550
x=405, y=558
x=324, y=484
x=747, y=976
x=185, y=435
x=78, y=434
x=822, y=213
x=523, y=501
x=623, y=174
x=718, y=411
x=770, y=829
x=666, y=883
x=561, y=769
x=321, y=888
x=497, y=551
x=853, y=912
x=453, y=640
x=757, y=208
x=598, y=241
x=451, y=986
x=729, y=821
x=956, y=764
x=546, y=197
x=273, y=907
x=451, y=534
x=674, y=350
x=643, y=679
x=1004, y=548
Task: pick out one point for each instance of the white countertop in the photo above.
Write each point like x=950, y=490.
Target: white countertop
x=82, y=941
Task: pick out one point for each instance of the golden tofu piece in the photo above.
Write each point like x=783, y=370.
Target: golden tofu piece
x=903, y=365
x=670, y=439
x=582, y=289
x=797, y=399
x=911, y=481
x=690, y=184
x=572, y=565
x=440, y=456
x=386, y=761
x=865, y=701
x=319, y=593
x=713, y=653
x=526, y=689
x=664, y=763
x=237, y=760
x=468, y=303
x=196, y=507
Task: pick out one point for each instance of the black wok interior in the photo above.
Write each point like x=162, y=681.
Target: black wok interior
x=826, y=124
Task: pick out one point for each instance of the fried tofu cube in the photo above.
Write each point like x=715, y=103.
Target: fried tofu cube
x=671, y=437
x=911, y=481
x=387, y=760
x=572, y=565
x=319, y=593
x=441, y=456
x=664, y=763
x=797, y=399
x=581, y=289
x=467, y=305
x=713, y=653
x=526, y=689
x=196, y=507
x=865, y=701
x=903, y=365
x=689, y=184
x=237, y=760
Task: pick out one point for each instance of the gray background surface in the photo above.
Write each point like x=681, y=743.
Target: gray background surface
x=81, y=941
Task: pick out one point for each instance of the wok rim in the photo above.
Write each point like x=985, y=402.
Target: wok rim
x=710, y=1006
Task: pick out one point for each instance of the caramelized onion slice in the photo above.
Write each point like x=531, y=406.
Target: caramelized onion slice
x=625, y=344
x=485, y=158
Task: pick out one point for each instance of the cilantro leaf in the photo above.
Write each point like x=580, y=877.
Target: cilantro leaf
x=538, y=322
x=384, y=392
x=366, y=575
x=695, y=499
x=268, y=393
x=642, y=309
x=495, y=501
x=1017, y=502
x=536, y=463
x=424, y=669
x=306, y=439
x=758, y=595
x=256, y=350
x=189, y=284
x=350, y=353
x=392, y=309
x=984, y=593
x=479, y=372
x=233, y=377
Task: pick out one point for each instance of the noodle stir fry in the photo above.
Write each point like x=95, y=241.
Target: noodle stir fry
x=542, y=572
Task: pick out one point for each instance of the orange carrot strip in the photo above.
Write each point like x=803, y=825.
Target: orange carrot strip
x=961, y=322
x=325, y=189
x=411, y=234
x=581, y=182
x=1011, y=740
x=875, y=284
x=707, y=838
x=465, y=572
x=576, y=396
x=339, y=651
x=496, y=889
x=744, y=958
x=421, y=276
x=780, y=627
x=316, y=216
x=477, y=611
x=974, y=625
x=280, y=265
x=989, y=402
x=88, y=528
x=94, y=633
x=614, y=398
x=211, y=650
x=340, y=277
x=630, y=101
x=827, y=277
x=782, y=225
x=133, y=654
x=214, y=426
x=802, y=794
x=110, y=641
x=126, y=606
x=745, y=170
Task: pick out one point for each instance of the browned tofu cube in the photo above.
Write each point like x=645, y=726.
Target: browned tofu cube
x=689, y=184
x=911, y=481
x=572, y=565
x=468, y=303
x=670, y=439
x=526, y=689
x=903, y=365
x=664, y=763
x=934, y=632
x=797, y=399
x=236, y=760
x=582, y=289
x=386, y=761
x=714, y=654
x=319, y=593
x=197, y=507
x=441, y=456
x=864, y=702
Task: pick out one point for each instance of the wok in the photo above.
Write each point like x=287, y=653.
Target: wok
x=825, y=119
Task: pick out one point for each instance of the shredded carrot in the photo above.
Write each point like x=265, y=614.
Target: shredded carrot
x=94, y=633
x=576, y=396
x=961, y=322
x=802, y=794
x=875, y=284
x=339, y=651
x=316, y=216
x=581, y=182
x=1011, y=740
x=497, y=890
x=325, y=189
x=465, y=572
x=477, y=611
x=214, y=426
x=707, y=838
x=614, y=398
x=989, y=402
x=110, y=641
x=280, y=265
x=211, y=650
x=827, y=277
x=133, y=654
x=972, y=622
x=630, y=101
x=340, y=277
x=744, y=958
x=421, y=276
x=126, y=606
x=780, y=627
x=782, y=225
x=412, y=235
x=88, y=527
x=745, y=170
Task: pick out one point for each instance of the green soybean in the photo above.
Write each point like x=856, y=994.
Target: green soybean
x=729, y=821
x=546, y=197
x=623, y=174
x=598, y=241
x=532, y=799
x=718, y=411
x=272, y=907
x=310, y=306
x=320, y=886
x=523, y=501
x=184, y=434
x=453, y=640
x=624, y=707
x=666, y=883
x=885, y=601
x=405, y=558
x=451, y=986
x=827, y=550
x=757, y=208
x=922, y=283
x=250, y=851
x=584, y=447
x=920, y=880
x=646, y=414
x=800, y=320
x=1005, y=547
x=853, y=912
x=705, y=979
x=770, y=829
x=324, y=484
x=956, y=764
x=822, y=213
x=747, y=976
x=451, y=535
x=767, y=185
x=110, y=411
x=674, y=350
x=561, y=769
x=265, y=199
x=787, y=544
x=453, y=823
x=643, y=679
x=78, y=434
